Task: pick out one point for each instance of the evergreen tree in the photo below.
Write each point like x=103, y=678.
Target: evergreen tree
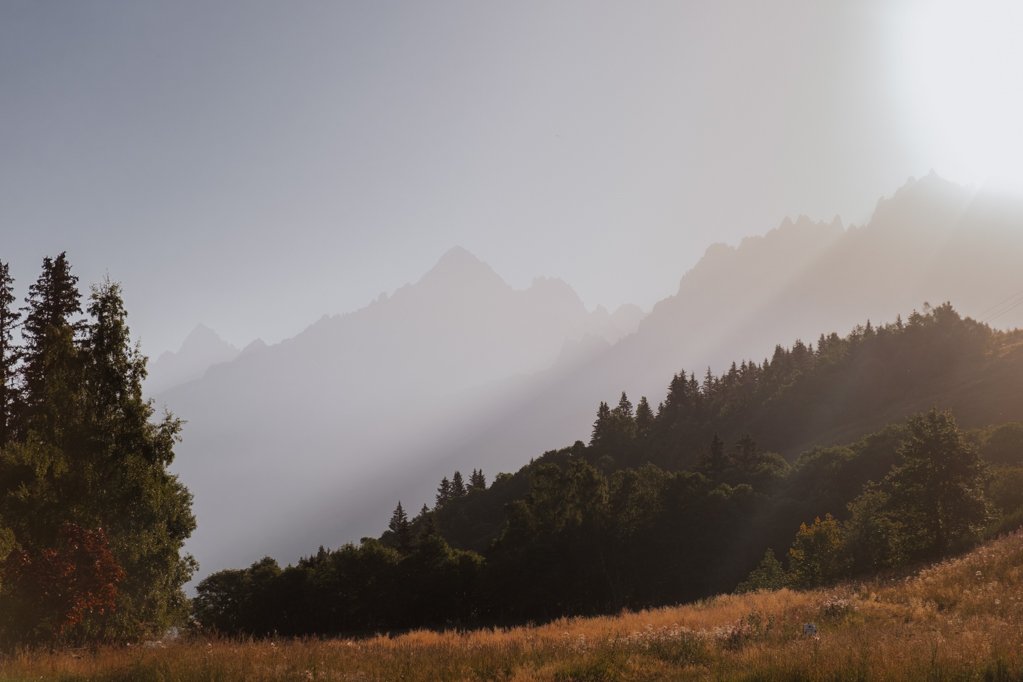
x=710, y=383
x=50, y=370
x=401, y=528
x=768, y=575
x=8, y=355
x=937, y=490
x=443, y=492
x=624, y=409
x=624, y=420
x=602, y=427
x=644, y=418
x=714, y=461
x=427, y=530
x=127, y=457
x=457, y=485
x=477, y=481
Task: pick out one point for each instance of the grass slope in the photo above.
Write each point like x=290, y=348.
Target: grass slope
x=961, y=619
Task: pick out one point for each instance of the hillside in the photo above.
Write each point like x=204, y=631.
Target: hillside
x=680, y=504
x=802, y=400
x=958, y=619
x=930, y=241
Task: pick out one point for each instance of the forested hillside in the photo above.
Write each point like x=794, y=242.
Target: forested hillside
x=91, y=522
x=683, y=500
x=931, y=240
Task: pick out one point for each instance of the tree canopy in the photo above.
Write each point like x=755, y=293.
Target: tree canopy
x=93, y=522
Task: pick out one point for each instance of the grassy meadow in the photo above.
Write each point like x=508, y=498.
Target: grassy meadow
x=961, y=619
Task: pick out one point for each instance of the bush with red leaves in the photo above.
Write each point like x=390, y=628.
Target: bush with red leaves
x=64, y=584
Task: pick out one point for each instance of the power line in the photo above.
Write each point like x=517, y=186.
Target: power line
x=992, y=308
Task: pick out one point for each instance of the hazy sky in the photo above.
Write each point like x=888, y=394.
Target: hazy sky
x=254, y=165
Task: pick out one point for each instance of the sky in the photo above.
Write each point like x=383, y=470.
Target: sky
x=255, y=165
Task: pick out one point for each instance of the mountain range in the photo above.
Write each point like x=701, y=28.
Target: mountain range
x=297, y=439
x=313, y=440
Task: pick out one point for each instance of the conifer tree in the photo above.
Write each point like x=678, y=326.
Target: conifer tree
x=50, y=369
x=602, y=427
x=443, y=492
x=768, y=575
x=427, y=530
x=714, y=462
x=938, y=488
x=624, y=409
x=126, y=456
x=399, y=525
x=8, y=355
x=457, y=485
x=644, y=418
x=709, y=383
x=624, y=420
x=477, y=481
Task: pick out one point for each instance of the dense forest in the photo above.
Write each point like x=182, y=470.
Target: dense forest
x=91, y=522
x=733, y=482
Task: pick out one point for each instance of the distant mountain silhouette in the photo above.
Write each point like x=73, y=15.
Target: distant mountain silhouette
x=933, y=241
x=296, y=440
x=201, y=349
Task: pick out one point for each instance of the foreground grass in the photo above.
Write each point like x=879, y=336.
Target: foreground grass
x=958, y=620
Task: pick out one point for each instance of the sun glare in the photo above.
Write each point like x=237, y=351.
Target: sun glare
x=963, y=79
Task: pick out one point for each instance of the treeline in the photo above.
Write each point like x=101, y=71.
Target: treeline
x=831, y=391
x=91, y=522
x=677, y=503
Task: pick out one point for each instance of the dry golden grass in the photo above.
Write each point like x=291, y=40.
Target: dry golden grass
x=961, y=619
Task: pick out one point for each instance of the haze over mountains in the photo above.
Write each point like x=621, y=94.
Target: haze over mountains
x=932, y=241
x=201, y=349
x=314, y=440
x=297, y=440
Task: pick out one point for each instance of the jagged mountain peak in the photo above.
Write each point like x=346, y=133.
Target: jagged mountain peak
x=203, y=335
x=200, y=350
x=923, y=202
x=459, y=266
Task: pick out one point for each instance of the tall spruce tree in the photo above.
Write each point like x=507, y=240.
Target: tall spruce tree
x=130, y=455
x=9, y=317
x=457, y=485
x=644, y=418
x=443, y=492
x=50, y=373
x=399, y=525
x=603, y=428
